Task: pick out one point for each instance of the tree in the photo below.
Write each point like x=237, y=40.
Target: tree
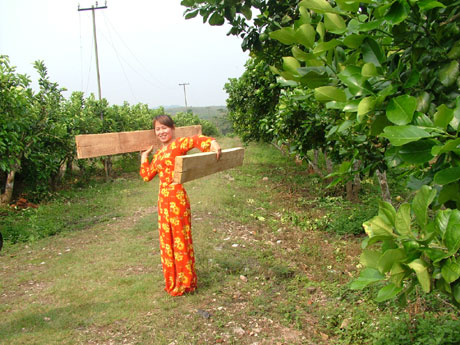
x=15, y=122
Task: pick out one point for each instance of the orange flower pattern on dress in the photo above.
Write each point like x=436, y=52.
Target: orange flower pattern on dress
x=174, y=216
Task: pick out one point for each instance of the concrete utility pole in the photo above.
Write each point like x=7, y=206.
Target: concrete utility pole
x=92, y=8
x=185, y=94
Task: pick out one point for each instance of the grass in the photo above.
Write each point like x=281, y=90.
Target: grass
x=271, y=265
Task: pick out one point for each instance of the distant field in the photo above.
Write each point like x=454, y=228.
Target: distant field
x=215, y=114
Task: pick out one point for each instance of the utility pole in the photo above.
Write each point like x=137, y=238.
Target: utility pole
x=185, y=94
x=92, y=9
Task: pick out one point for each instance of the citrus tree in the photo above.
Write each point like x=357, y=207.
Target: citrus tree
x=387, y=74
x=15, y=121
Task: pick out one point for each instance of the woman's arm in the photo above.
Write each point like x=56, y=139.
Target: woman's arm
x=200, y=142
x=147, y=170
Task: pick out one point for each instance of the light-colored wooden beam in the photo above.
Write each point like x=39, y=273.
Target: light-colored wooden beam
x=96, y=145
x=191, y=167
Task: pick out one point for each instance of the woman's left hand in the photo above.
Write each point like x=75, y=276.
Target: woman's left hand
x=215, y=147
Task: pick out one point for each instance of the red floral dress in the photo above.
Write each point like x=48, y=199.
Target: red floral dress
x=174, y=216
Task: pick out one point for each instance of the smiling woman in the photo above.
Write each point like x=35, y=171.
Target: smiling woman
x=174, y=215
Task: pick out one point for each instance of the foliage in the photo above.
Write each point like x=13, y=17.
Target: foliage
x=190, y=119
x=37, y=129
x=16, y=119
x=384, y=68
x=429, y=329
x=252, y=101
x=415, y=248
x=253, y=28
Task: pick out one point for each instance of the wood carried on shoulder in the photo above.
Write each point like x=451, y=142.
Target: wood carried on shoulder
x=191, y=167
x=106, y=144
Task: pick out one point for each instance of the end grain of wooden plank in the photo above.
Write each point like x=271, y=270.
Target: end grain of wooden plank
x=191, y=167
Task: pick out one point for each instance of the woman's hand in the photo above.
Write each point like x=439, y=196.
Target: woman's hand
x=145, y=154
x=215, y=147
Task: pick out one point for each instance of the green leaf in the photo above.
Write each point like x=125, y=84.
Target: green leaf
x=372, y=52
x=401, y=109
x=403, y=220
x=388, y=292
x=366, y=277
x=344, y=126
x=290, y=64
x=456, y=292
x=452, y=238
x=450, y=270
x=378, y=227
x=435, y=254
x=387, y=212
x=370, y=258
x=397, y=274
x=357, y=84
x=326, y=46
x=449, y=192
x=390, y=257
x=305, y=35
x=398, y=12
x=285, y=35
x=216, y=19
x=448, y=146
x=420, y=268
x=246, y=11
x=191, y=15
x=369, y=70
x=423, y=102
x=365, y=106
x=313, y=77
x=447, y=176
x=354, y=41
x=321, y=30
x=423, y=198
x=369, y=26
x=334, y=23
x=454, y=53
x=329, y=93
x=426, y=5
x=456, y=120
x=318, y=6
x=443, y=116
x=417, y=152
x=400, y=135
x=350, y=6
x=448, y=74
x=445, y=219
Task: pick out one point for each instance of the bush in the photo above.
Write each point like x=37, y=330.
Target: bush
x=429, y=329
x=190, y=119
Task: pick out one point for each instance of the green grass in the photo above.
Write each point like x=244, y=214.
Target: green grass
x=272, y=264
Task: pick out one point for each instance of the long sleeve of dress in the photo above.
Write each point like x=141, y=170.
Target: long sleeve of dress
x=199, y=142
x=148, y=171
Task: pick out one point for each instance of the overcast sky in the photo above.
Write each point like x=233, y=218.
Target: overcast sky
x=146, y=49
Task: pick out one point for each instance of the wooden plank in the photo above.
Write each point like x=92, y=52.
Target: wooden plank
x=96, y=145
x=191, y=167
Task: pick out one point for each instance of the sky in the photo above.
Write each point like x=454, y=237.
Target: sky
x=146, y=49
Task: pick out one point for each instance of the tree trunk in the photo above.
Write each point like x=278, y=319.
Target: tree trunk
x=329, y=167
x=6, y=197
x=384, y=189
x=108, y=168
x=314, y=164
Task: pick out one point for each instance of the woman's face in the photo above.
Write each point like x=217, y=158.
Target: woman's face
x=164, y=133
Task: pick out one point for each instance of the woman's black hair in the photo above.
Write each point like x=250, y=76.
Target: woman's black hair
x=164, y=120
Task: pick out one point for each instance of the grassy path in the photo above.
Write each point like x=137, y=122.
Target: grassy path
x=262, y=279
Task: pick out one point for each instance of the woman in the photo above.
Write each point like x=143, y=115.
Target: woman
x=174, y=217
